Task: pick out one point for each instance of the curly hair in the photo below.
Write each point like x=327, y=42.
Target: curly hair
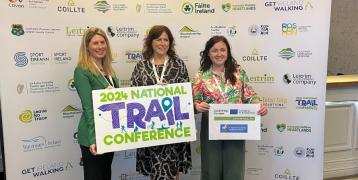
x=154, y=33
x=230, y=64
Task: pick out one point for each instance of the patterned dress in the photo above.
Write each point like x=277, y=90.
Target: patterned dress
x=205, y=88
x=162, y=162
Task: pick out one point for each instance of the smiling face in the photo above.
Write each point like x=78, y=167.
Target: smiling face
x=161, y=45
x=97, y=47
x=218, y=54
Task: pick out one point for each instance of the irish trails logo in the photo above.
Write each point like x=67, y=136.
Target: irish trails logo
x=307, y=103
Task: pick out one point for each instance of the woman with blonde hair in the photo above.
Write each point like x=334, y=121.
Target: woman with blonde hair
x=94, y=71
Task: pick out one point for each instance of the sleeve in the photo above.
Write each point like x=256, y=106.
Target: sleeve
x=248, y=93
x=84, y=90
x=197, y=87
x=135, y=80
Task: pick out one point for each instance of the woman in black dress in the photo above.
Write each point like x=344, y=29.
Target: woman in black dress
x=161, y=65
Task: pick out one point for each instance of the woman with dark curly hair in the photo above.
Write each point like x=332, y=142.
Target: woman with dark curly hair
x=161, y=65
x=221, y=80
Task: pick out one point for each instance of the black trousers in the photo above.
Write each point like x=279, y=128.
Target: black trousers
x=96, y=167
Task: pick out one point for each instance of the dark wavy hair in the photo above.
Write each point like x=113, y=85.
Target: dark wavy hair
x=230, y=64
x=155, y=33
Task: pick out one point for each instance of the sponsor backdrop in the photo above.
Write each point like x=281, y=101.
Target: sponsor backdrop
x=282, y=44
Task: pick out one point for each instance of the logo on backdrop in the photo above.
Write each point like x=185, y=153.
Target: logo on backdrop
x=275, y=102
x=20, y=59
x=133, y=56
x=306, y=103
x=197, y=8
x=28, y=116
x=222, y=30
x=256, y=30
x=17, y=29
x=70, y=111
x=39, y=143
x=20, y=88
x=122, y=32
x=287, y=53
x=292, y=5
x=102, y=6
x=35, y=58
x=255, y=56
x=301, y=152
x=264, y=149
x=16, y=4
x=279, y=151
x=75, y=31
x=71, y=8
x=75, y=137
x=71, y=85
x=292, y=29
x=61, y=57
x=187, y=32
x=238, y=7
x=47, y=169
x=282, y=127
x=287, y=175
x=299, y=79
x=262, y=79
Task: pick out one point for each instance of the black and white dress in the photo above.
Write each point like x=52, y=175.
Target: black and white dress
x=162, y=162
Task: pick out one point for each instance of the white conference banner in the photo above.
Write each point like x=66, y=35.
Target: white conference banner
x=135, y=117
x=282, y=45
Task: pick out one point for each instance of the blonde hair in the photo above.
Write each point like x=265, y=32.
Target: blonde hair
x=85, y=60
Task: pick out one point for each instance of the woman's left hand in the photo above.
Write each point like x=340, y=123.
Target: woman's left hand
x=263, y=110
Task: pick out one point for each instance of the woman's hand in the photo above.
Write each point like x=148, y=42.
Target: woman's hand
x=201, y=106
x=93, y=149
x=263, y=110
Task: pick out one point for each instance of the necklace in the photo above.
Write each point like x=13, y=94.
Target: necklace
x=159, y=81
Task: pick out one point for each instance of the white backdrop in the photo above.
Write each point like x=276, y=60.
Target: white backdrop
x=282, y=44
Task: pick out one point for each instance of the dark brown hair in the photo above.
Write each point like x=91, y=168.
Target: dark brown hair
x=230, y=64
x=154, y=33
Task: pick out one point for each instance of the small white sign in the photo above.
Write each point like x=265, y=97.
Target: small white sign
x=234, y=122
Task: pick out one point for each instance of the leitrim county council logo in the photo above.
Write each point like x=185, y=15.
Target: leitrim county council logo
x=26, y=116
x=20, y=59
x=187, y=8
x=17, y=29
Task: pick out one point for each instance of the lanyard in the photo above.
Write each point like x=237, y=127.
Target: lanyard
x=111, y=84
x=159, y=81
x=221, y=90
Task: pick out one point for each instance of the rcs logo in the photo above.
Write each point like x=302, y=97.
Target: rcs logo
x=289, y=29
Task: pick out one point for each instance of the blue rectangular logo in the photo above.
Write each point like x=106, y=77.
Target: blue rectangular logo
x=234, y=111
x=233, y=128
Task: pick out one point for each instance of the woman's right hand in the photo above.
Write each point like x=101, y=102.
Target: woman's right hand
x=93, y=149
x=201, y=106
